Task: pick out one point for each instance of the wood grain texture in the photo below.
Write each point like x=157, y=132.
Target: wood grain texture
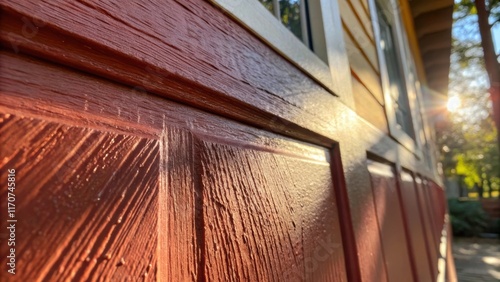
x=86, y=201
x=58, y=94
x=268, y=217
x=155, y=64
x=195, y=55
x=362, y=208
x=180, y=223
x=416, y=233
x=55, y=93
x=353, y=269
x=391, y=222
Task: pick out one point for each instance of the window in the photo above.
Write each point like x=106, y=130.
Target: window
x=293, y=14
x=306, y=32
x=394, y=71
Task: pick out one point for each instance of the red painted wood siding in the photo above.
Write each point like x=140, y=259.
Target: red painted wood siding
x=391, y=223
x=79, y=213
x=241, y=181
x=138, y=187
x=269, y=217
x=426, y=215
x=416, y=228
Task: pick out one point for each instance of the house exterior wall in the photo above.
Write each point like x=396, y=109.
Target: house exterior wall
x=167, y=141
x=364, y=66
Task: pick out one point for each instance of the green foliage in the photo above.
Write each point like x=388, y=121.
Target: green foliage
x=478, y=158
x=468, y=142
x=467, y=168
x=494, y=227
x=467, y=217
x=465, y=8
x=268, y=4
x=471, y=149
x=290, y=16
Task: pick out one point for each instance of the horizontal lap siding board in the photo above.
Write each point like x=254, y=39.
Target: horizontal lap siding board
x=202, y=170
x=360, y=30
x=368, y=107
x=362, y=54
x=391, y=222
x=188, y=51
x=415, y=228
x=365, y=5
x=363, y=69
x=361, y=8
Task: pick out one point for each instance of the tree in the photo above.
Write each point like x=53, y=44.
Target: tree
x=490, y=57
x=485, y=11
x=469, y=142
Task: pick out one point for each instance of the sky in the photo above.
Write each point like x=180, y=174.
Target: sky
x=496, y=37
x=475, y=77
x=472, y=31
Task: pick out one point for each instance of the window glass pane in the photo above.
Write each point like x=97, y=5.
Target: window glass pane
x=290, y=16
x=268, y=4
x=396, y=80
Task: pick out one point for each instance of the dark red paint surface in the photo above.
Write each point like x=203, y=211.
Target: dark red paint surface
x=390, y=221
x=209, y=192
x=416, y=228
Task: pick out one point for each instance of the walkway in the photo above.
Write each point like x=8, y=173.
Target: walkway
x=477, y=259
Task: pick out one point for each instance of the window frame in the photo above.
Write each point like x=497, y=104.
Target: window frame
x=331, y=71
x=391, y=12
x=304, y=20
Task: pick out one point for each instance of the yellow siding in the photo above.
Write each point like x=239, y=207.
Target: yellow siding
x=368, y=107
x=363, y=60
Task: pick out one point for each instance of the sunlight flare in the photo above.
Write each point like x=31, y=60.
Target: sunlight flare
x=453, y=104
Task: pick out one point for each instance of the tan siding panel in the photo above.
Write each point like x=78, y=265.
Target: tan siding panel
x=360, y=33
x=353, y=9
x=363, y=69
x=365, y=5
x=367, y=48
x=368, y=107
